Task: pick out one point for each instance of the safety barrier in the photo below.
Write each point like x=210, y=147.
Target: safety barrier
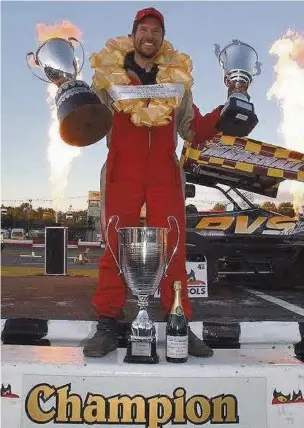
x=36, y=244
x=272, y=334
x=32, y=258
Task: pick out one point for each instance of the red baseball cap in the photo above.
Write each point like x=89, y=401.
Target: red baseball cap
x=149, y=11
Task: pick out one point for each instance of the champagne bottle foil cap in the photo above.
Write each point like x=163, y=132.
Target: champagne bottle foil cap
x=177, y=285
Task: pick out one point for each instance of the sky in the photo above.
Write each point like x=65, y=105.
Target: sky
x=192, y=27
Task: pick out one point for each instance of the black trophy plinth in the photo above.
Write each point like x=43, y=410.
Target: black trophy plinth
x=136, y=351
x=83, y=119
x=237, y=118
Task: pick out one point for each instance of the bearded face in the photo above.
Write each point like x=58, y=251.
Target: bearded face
x=148, y=37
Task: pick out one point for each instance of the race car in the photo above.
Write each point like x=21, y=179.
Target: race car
x=244, y=241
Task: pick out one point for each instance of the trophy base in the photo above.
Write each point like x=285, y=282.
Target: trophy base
x=237, y=118
x=141, y=352
x=83, y=119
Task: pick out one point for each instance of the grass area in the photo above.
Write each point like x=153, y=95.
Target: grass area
x=30, y=271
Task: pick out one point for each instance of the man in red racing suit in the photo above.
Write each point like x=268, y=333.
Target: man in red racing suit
x=142, y=167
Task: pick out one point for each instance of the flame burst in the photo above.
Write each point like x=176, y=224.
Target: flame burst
x=288, y=89
x=60, y=155
x=64, y=30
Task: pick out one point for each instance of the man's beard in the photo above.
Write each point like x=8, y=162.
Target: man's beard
x=144, y=54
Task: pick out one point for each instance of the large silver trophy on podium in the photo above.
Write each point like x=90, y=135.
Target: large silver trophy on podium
x=240, y=64
x=142, y=260
x=83, y=118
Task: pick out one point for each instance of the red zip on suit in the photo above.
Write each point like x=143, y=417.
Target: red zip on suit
x=142, y=167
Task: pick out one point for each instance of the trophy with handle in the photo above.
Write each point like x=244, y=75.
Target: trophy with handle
x=142, y=260
x=240, y=64
x=83, y=119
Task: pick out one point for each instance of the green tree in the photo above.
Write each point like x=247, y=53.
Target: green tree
x=270, y=206
x=219, y=207
x=286, y=208
x=17, y=213
x=80, y=217
x=40, y=211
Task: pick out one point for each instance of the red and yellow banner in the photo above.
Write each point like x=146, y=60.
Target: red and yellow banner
x=245, y=155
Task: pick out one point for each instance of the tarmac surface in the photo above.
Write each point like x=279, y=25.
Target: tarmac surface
x=69, y=297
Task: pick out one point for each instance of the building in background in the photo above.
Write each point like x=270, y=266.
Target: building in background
x=93, y=216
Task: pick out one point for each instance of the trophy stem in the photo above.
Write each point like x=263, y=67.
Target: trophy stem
x=142, y=340
x=142, y=301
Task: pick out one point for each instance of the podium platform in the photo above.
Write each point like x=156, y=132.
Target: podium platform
x=239, y=388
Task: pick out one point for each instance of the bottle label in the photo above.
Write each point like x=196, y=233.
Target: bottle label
x=177, y=346
x=179, y=311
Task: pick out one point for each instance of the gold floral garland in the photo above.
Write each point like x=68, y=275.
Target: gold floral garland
x=173, y=67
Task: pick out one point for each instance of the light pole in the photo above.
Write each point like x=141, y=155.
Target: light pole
x=29, y=215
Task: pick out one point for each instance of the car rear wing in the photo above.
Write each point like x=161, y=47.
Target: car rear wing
x=243, y=163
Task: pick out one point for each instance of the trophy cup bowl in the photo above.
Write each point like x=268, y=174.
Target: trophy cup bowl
x=142, y=260
x=83, y=119
x=240, y=64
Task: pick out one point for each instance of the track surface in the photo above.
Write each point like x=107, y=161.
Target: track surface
x=68, y=297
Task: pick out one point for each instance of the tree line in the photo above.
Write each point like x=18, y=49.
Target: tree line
x=284, y=208
x=26, y=217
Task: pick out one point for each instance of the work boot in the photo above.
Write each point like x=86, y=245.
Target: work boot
x=104, y=340
x=197, y=347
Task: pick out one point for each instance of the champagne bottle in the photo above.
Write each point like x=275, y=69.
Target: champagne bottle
x=177, y=330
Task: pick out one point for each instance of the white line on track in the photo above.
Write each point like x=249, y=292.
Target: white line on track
x=289, y=306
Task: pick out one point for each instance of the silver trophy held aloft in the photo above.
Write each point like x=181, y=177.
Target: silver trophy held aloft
x=240, y=64
x=83, y=119
x=142, y=260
